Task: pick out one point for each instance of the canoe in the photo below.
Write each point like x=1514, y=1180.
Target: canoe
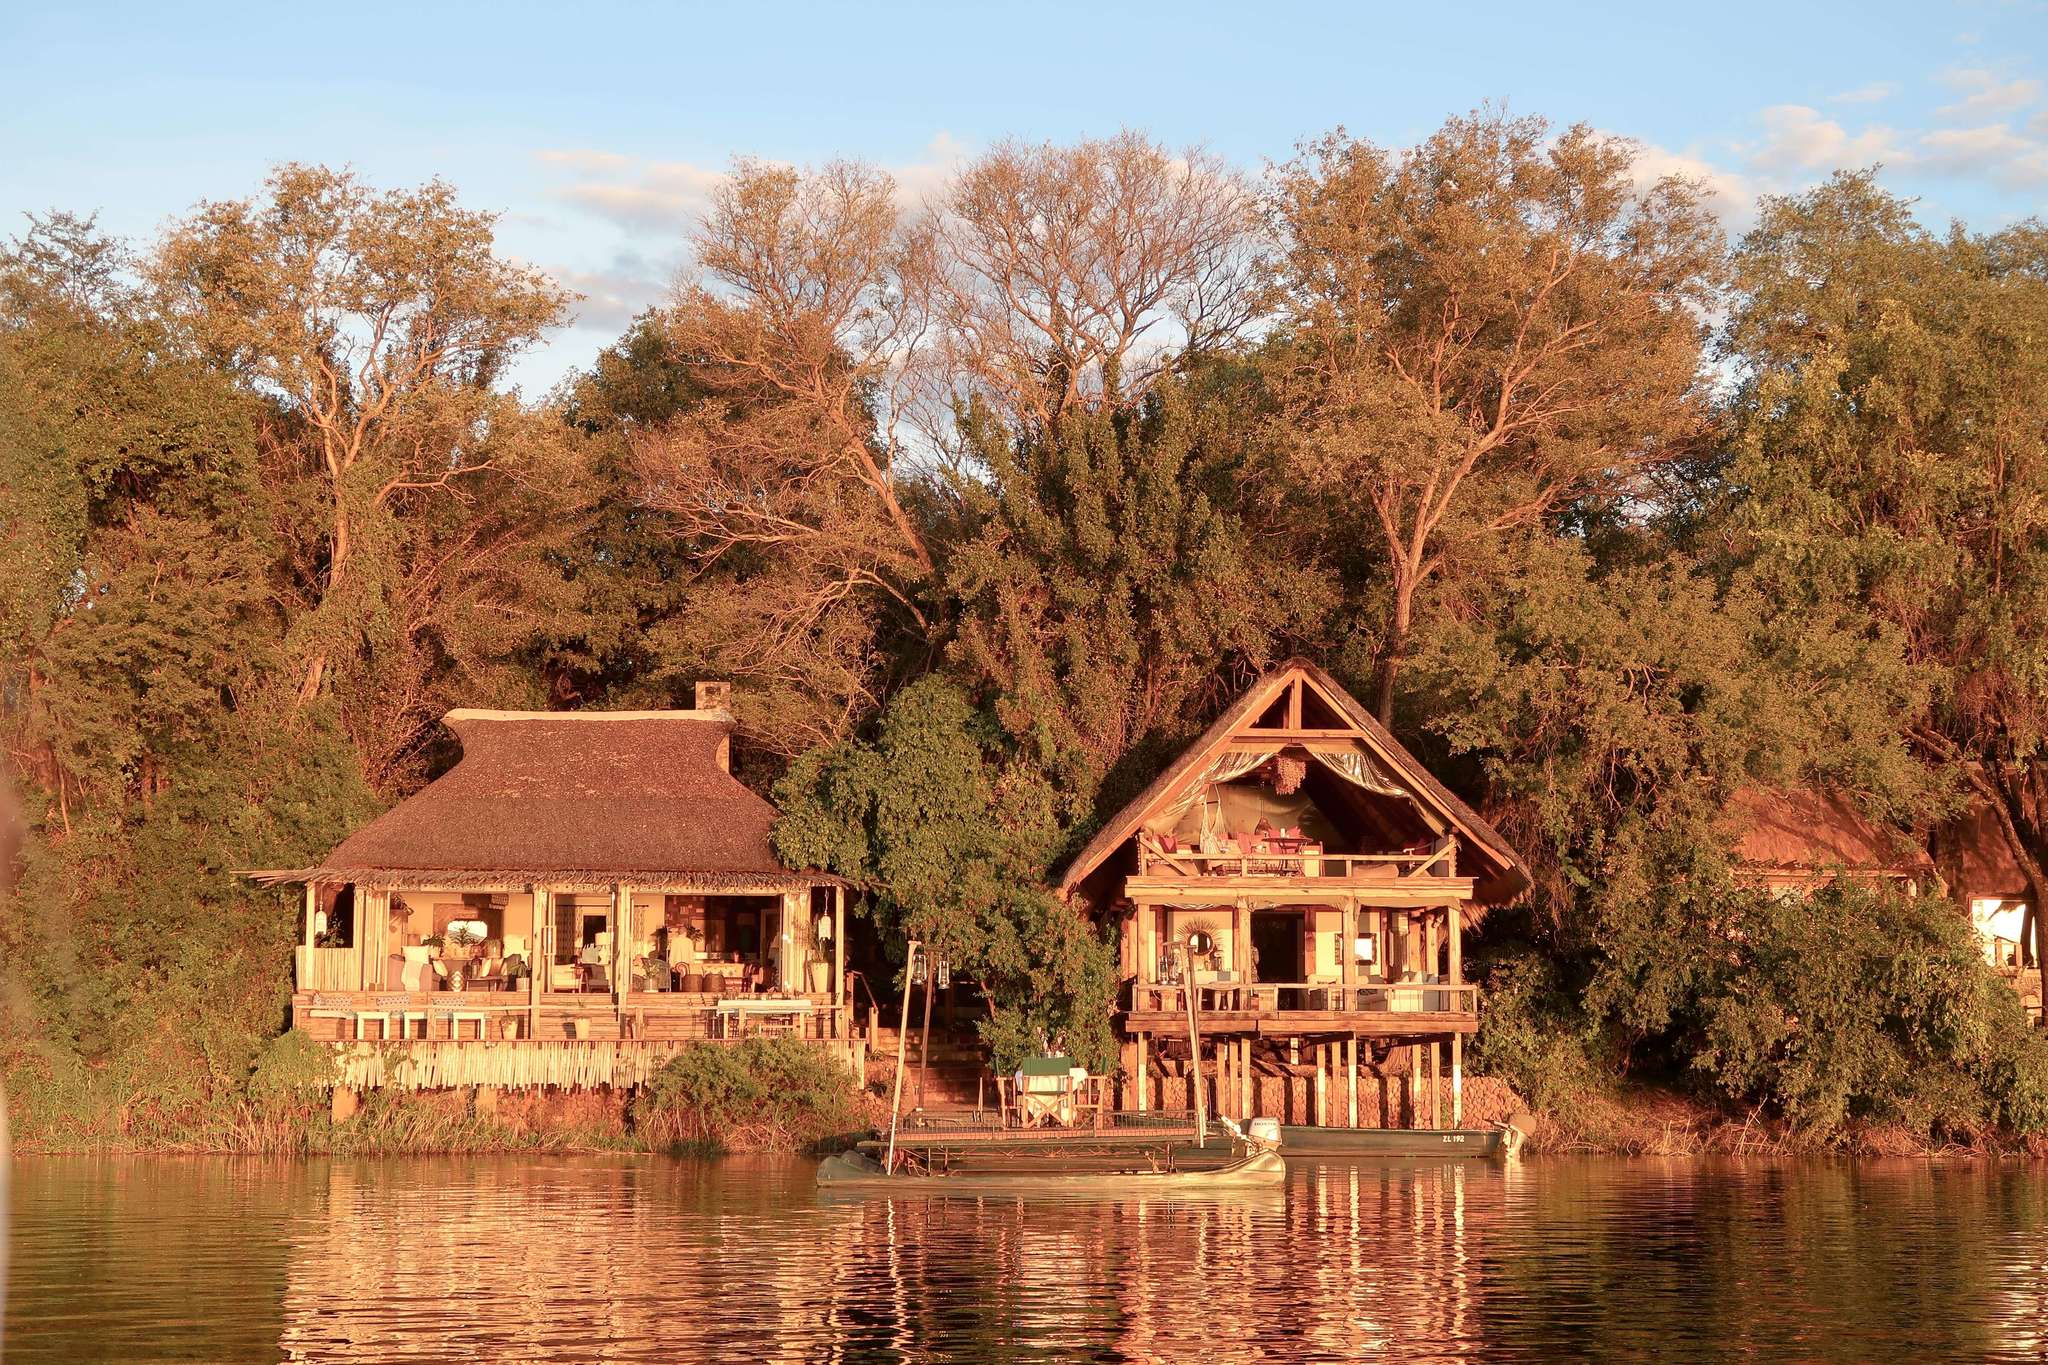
x=857, y=1170
x=1436, y=1143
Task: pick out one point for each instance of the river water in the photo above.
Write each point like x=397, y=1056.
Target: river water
x=630, y=1259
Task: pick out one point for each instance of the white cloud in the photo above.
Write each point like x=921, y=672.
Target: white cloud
x=583, y=158
x=1801, y=139
x=615, y=294
x=1994, y=152
x=1731, y=196
x=1866, y=94
x=662, y=198
x=1985, y=95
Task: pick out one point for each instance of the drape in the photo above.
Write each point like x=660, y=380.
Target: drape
x=1225, y=766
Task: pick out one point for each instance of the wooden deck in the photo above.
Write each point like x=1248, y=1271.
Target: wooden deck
x=1299, y=1023
x=466, y=1018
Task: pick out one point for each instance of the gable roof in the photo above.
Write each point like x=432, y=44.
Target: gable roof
x=572, y=798
x=1805, y=829
x=1509, y=876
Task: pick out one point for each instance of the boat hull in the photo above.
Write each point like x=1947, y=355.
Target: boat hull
x=857, y=1171
x=1455, y=1144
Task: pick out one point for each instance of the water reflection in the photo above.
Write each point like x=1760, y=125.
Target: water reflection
x=625, y=1260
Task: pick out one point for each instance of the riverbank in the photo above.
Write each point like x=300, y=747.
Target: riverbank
x=1629, y=1122
x=1646, y=1121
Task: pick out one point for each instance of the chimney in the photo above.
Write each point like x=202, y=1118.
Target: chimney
x=714, y=696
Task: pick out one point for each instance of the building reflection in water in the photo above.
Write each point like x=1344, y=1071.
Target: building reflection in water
x=641, y=1259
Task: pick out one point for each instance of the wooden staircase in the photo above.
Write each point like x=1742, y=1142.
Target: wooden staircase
x=955, y=1075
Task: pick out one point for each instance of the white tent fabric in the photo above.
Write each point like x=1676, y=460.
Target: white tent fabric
x=1362, y=769
x=1227, y=765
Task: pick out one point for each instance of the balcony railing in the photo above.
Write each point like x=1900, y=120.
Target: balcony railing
x=1272, y=997
x=1278, y=859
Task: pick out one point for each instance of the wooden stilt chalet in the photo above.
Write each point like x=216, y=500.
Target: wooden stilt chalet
x=1304, y=876
x=578, y=897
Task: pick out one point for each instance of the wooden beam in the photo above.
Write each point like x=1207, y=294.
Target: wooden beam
x=1457, y=1081
x=1400, y=1024
x=842, y=1001
x=1388, y=893
x=1294, y=704
x=1454, y=916
x=1351, y=1073
x=622, y=945
x=1436, y=1088
x=1241, y=941
x=541, y=957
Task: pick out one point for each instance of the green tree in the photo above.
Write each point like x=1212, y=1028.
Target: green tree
x=1890, y=446
x=1132, y=570
x=374, y=325
x=1480, y=333
x=952, y=834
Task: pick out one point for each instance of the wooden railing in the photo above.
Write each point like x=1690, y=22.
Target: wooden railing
x=1154, y=861
x=1275, y=997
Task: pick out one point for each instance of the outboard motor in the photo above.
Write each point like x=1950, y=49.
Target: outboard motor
x=1264, y=1135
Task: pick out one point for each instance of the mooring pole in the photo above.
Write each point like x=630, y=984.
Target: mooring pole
x=902, y=1050
x=1187, y=977
x=924, y=1042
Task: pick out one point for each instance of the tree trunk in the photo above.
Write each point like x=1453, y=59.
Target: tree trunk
x=1396, y=642
x=337, y=562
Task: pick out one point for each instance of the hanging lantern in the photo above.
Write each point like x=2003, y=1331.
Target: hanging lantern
x=1289, y=772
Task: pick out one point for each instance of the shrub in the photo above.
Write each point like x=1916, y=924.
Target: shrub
x=762, y=1094
x=1854, y=1005
x=291, y=1070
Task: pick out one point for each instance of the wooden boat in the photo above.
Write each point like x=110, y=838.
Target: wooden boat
x=861, y=1171
x=1115, y=1155
x=1457, y=1144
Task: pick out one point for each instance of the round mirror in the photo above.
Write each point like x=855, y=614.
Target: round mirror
x=1200, y=942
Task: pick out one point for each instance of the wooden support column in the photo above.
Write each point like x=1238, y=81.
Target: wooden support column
x=1436, y=1088
x=842, y=999
x=622, y=945
x=1347, y=951
x=1415, y=1085
x=1249, y=1079
x=1144, y=1078
x=540, y=960
x=1241, y=942
x=1455, y=917
x=1351, y=1084
x=1457, y=1080
x=1316, y=1088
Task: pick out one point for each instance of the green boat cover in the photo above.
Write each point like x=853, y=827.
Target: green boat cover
x=1045, y=1066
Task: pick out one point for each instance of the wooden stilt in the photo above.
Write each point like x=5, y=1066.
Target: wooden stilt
x=1248, y=1097
x=1436, y=1089
x=1457, y=1080
x=1415, y=1085
x=1144, y=1078
x=1351, y=1082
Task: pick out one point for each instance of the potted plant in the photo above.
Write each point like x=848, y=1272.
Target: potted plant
x=456, y=949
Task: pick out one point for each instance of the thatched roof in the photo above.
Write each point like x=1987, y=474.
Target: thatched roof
x=1502, y=878
x=573, y=798
x=1977, y=859
x=1804, y=830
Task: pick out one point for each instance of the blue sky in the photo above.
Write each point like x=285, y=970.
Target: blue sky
x=597, y=129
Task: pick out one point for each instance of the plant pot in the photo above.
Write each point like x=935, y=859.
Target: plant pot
x=820, y=974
